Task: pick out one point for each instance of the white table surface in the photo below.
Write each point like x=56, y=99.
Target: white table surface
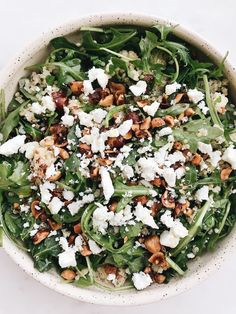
x=21, y=22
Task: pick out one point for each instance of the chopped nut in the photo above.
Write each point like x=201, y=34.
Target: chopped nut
x=84, y=148
x=178, y=97
x=167, y=201
x=189, y=112
x=40, y=236
x=55, y=177
x=159, y=278
x=196, y=160
x=94, y=172
x=145, y=125
x=147, y=270
x=225, y=173
x=16, y=205
x=104, y=162
x=133, y=116
x=135, y=127
x=85, y=251
x=110, y=269
x=107, y=101
x=63, y=154
x=76, y=87
x=47, y=141
x=112, y=207
x=128, y=135
x=77, y=228
x=143, y=199
x=142, y=103
x=158, y=258
x=169, y=121
x=142, y=134
x=68, y=274
x=116, y=142
x=152, y=244
x=36, y=212
x=155, y=208
x=60, y=99
x=157, y=122
x=157, y=182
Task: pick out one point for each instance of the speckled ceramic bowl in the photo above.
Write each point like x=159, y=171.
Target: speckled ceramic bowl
x=200, y=268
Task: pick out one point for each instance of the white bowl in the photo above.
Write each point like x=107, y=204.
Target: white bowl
x=198, y=269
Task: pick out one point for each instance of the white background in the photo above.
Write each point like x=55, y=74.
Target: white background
x=21, y=22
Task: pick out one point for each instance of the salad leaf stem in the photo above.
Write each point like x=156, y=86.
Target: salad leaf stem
x=196, y=224
x=2, y=105
x=174, y=266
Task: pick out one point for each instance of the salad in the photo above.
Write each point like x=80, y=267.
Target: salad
x=118, y=158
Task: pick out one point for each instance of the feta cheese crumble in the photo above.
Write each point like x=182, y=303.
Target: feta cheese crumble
x=139, y=88
x=141, y=280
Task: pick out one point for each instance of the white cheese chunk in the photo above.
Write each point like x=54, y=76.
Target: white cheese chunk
x=151, y=109
x=125, y=127
x=172, y=88
x=230, y=156
x=94, y=248
x=143, y=214
x=195, y=95
x=88, y=88
x=139, y=88
x=12, y=146
x=202, y=194
x=99, y=75
x=106, y=182
x=55, y=205
x=141, y=280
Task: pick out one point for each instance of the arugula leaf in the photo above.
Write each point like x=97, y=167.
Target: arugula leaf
x=62, y=42
x=117, y=41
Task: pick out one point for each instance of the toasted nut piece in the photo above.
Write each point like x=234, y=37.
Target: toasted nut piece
x=40, y=236
x=76, y=87
x=142, y=134
x=71, y=239
x=55, y=177
x=116, y=142
x=85, y=131
x=152, y=244
x=143, y=199
x=167, y=201
x=77, y=228
x=36, y=212
x=128, y=135
x=159, y=278
x=53, y=224
x=107, y=101
x=157, y=122
x=181, y=208
x=181, y=116
x=170, y=121
x=112, y=206
x=58, y=129
x=157, y=182
x=47, y=141
x=68, y=274
x=142, y=103
x=225, y=173
x=104, y=162
x=135, y=127
x=60, y=99
x=155, y=208
x=120, y=99
x=196, y=160
x=178, y=145
x=147, y=270
x=94, y=172
x=16, y=205
x=61, y=142
x=188, y=212
x=117, y=87
x=178, y=97
x=85, y=251
x=133, y=116
x=158, y=258
x=84, y=148
x=110, y=269
x=63, y=154
x=145, y=125
x=189, y=112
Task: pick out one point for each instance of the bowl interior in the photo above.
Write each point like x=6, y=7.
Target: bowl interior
x=198, y=269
